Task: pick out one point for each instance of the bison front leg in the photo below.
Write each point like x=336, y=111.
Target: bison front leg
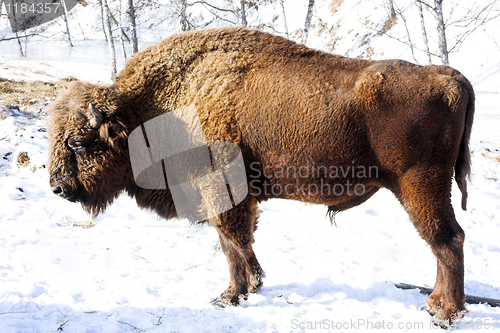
x=235, y=229
x=426, y=198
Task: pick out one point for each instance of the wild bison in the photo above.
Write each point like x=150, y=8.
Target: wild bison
x=302, y=119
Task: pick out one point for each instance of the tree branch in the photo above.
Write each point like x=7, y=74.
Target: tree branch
x=214, y=7
x=462, y=38
x=468, y=298
x=425, y=4
x=220, y=17
x=399, y=40
x=17, y=37
x=408, y=34
x=112, y=17
x=474, y=17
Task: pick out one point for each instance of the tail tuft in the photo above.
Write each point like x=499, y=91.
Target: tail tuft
x=463, y=163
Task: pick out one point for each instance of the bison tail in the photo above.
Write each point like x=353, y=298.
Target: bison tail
x=463, y=163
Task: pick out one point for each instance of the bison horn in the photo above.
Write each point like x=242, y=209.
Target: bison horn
x=96, y=119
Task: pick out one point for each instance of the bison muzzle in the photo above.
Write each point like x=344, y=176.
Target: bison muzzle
x=295, y=115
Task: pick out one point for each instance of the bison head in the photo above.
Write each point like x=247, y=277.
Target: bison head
x=88, y=156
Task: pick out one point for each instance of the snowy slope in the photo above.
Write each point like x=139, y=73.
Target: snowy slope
x=134, y=272
x=133, y=269
x=346, y=27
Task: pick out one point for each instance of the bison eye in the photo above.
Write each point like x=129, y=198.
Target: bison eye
x=79, y=143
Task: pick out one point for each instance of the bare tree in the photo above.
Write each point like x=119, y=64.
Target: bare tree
x=109, y=33
x=65, y=17
x=243, y=13
x=441, y=28
x=21, y=52
x=408, y=35
x=424, y=32
x=392, y=10
x=310, y=8
x=113, y=20
x=473, y=21
x=1, y=9
x=103, y=21
x=282, y=2
x=238, y=10
x=476, y=17
x=122, y=41
x=132, y=26
x=183, y=21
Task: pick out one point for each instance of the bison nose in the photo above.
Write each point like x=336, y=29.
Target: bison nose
x=57, y=190
x=61, y=189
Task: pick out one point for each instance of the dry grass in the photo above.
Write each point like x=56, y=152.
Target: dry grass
x=31, y=95
x=334, y=5
x=495, y=156
x=389, y=23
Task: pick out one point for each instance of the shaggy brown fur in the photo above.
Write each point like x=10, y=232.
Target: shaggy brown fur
x=286, y=106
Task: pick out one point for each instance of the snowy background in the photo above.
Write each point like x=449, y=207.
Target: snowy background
x=130, y=271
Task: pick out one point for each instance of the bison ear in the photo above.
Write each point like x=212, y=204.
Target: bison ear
x=113, y=131
x=96, y=118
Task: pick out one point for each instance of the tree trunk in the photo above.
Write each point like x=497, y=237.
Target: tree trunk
x=443, y=47
x=25, y=42
x=122, y=42
x=182, y=5
x=410, y=43
x=424, y=32
x=107, y=24
x=21, y=52
x=308, y=21
x=132, y=26
x=113, y=20
x=284, y=17
x=122, y=46
x=103, y=20
x=65, y=17
x=243, y=14
x=392, y=11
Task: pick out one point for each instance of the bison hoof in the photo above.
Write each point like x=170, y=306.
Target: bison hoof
x=256, y=280
x=432, y=305
x=256, y=287
x=225, y=300
x=216, y=302
x=443, y=316
x=447, y=321
x=423, y=308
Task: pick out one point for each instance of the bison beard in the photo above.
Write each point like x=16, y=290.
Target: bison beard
x=283, y=105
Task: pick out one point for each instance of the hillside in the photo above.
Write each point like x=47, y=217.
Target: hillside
x=129, y=271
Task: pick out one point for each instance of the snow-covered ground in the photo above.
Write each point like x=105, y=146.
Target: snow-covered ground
x=134, y=272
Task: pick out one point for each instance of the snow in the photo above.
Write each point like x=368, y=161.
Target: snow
x=132, y=271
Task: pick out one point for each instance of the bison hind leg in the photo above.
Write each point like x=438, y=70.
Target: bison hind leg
x=426, y=198
x=235, y=228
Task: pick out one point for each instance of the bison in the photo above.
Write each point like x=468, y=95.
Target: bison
x=296, y=115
